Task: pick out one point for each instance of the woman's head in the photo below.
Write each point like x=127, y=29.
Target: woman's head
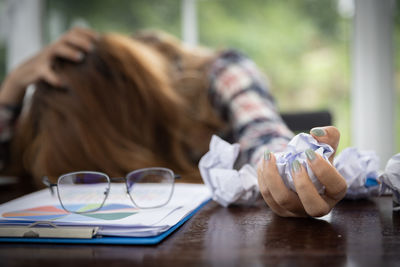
x=188, y=68
x=117, y=111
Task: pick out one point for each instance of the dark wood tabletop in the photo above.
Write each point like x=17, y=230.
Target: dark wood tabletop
x=355, y=233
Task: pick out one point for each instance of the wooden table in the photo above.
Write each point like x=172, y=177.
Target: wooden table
x=355, y=233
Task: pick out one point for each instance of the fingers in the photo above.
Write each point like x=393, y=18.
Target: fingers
x=283, y=196
x=68, y=52
x=307, y=200
x=87, y=32
x=81, y=38
x=313, y=203
x=51, y=77
x=275, y=207
x=269, y=199
x=329, y=135
x=81, y=42
x=74, y=44
x=335, y=184
x=71, y=46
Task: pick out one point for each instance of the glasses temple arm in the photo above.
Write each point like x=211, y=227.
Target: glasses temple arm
x=46, y=181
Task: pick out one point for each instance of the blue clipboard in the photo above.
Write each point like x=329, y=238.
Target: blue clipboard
x=109, y=240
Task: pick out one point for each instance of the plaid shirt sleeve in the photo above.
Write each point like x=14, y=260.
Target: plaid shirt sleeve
x=240, y=94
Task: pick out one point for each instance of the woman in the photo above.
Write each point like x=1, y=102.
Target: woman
x=113, y=104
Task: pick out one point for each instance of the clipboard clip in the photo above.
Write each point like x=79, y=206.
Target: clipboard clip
x=45, y=229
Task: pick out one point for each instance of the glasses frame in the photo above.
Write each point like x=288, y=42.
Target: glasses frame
x=46, y=181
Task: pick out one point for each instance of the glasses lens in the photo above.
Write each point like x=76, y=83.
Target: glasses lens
x=150, y=188
x=82, y=192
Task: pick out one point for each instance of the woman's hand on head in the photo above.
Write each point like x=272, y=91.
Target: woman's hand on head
x=307, y=201
x=71, y=46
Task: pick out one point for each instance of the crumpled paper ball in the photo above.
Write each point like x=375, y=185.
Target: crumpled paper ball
x=391, y=176
x=391, y=179
x=296, y=150
x=228, y=186
x=360, y=170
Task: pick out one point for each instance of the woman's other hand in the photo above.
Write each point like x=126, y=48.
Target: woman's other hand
x=71, y=46
x=307, y=201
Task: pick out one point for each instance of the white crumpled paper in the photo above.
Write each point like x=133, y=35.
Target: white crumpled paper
x=391, y=176
x=360, y=170
x=358, y=167
x=228, y=186
x=296, y=150
x=391, y=179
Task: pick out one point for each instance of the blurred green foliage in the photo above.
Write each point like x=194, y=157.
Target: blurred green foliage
x=302, y=46
x=125, y=16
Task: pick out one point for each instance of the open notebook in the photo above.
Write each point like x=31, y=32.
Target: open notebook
x=118, y=222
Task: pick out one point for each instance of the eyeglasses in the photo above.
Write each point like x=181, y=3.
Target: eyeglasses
x=87, y=191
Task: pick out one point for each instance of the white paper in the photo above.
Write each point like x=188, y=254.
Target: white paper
x=296, y=151
x=127, y=220
x=360, y=170
x=391, y=177
x=228, y=185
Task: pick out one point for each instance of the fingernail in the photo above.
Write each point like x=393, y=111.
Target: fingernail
x=296, y=166
x=267, y=155
x=310, y=154
x=318, y=132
